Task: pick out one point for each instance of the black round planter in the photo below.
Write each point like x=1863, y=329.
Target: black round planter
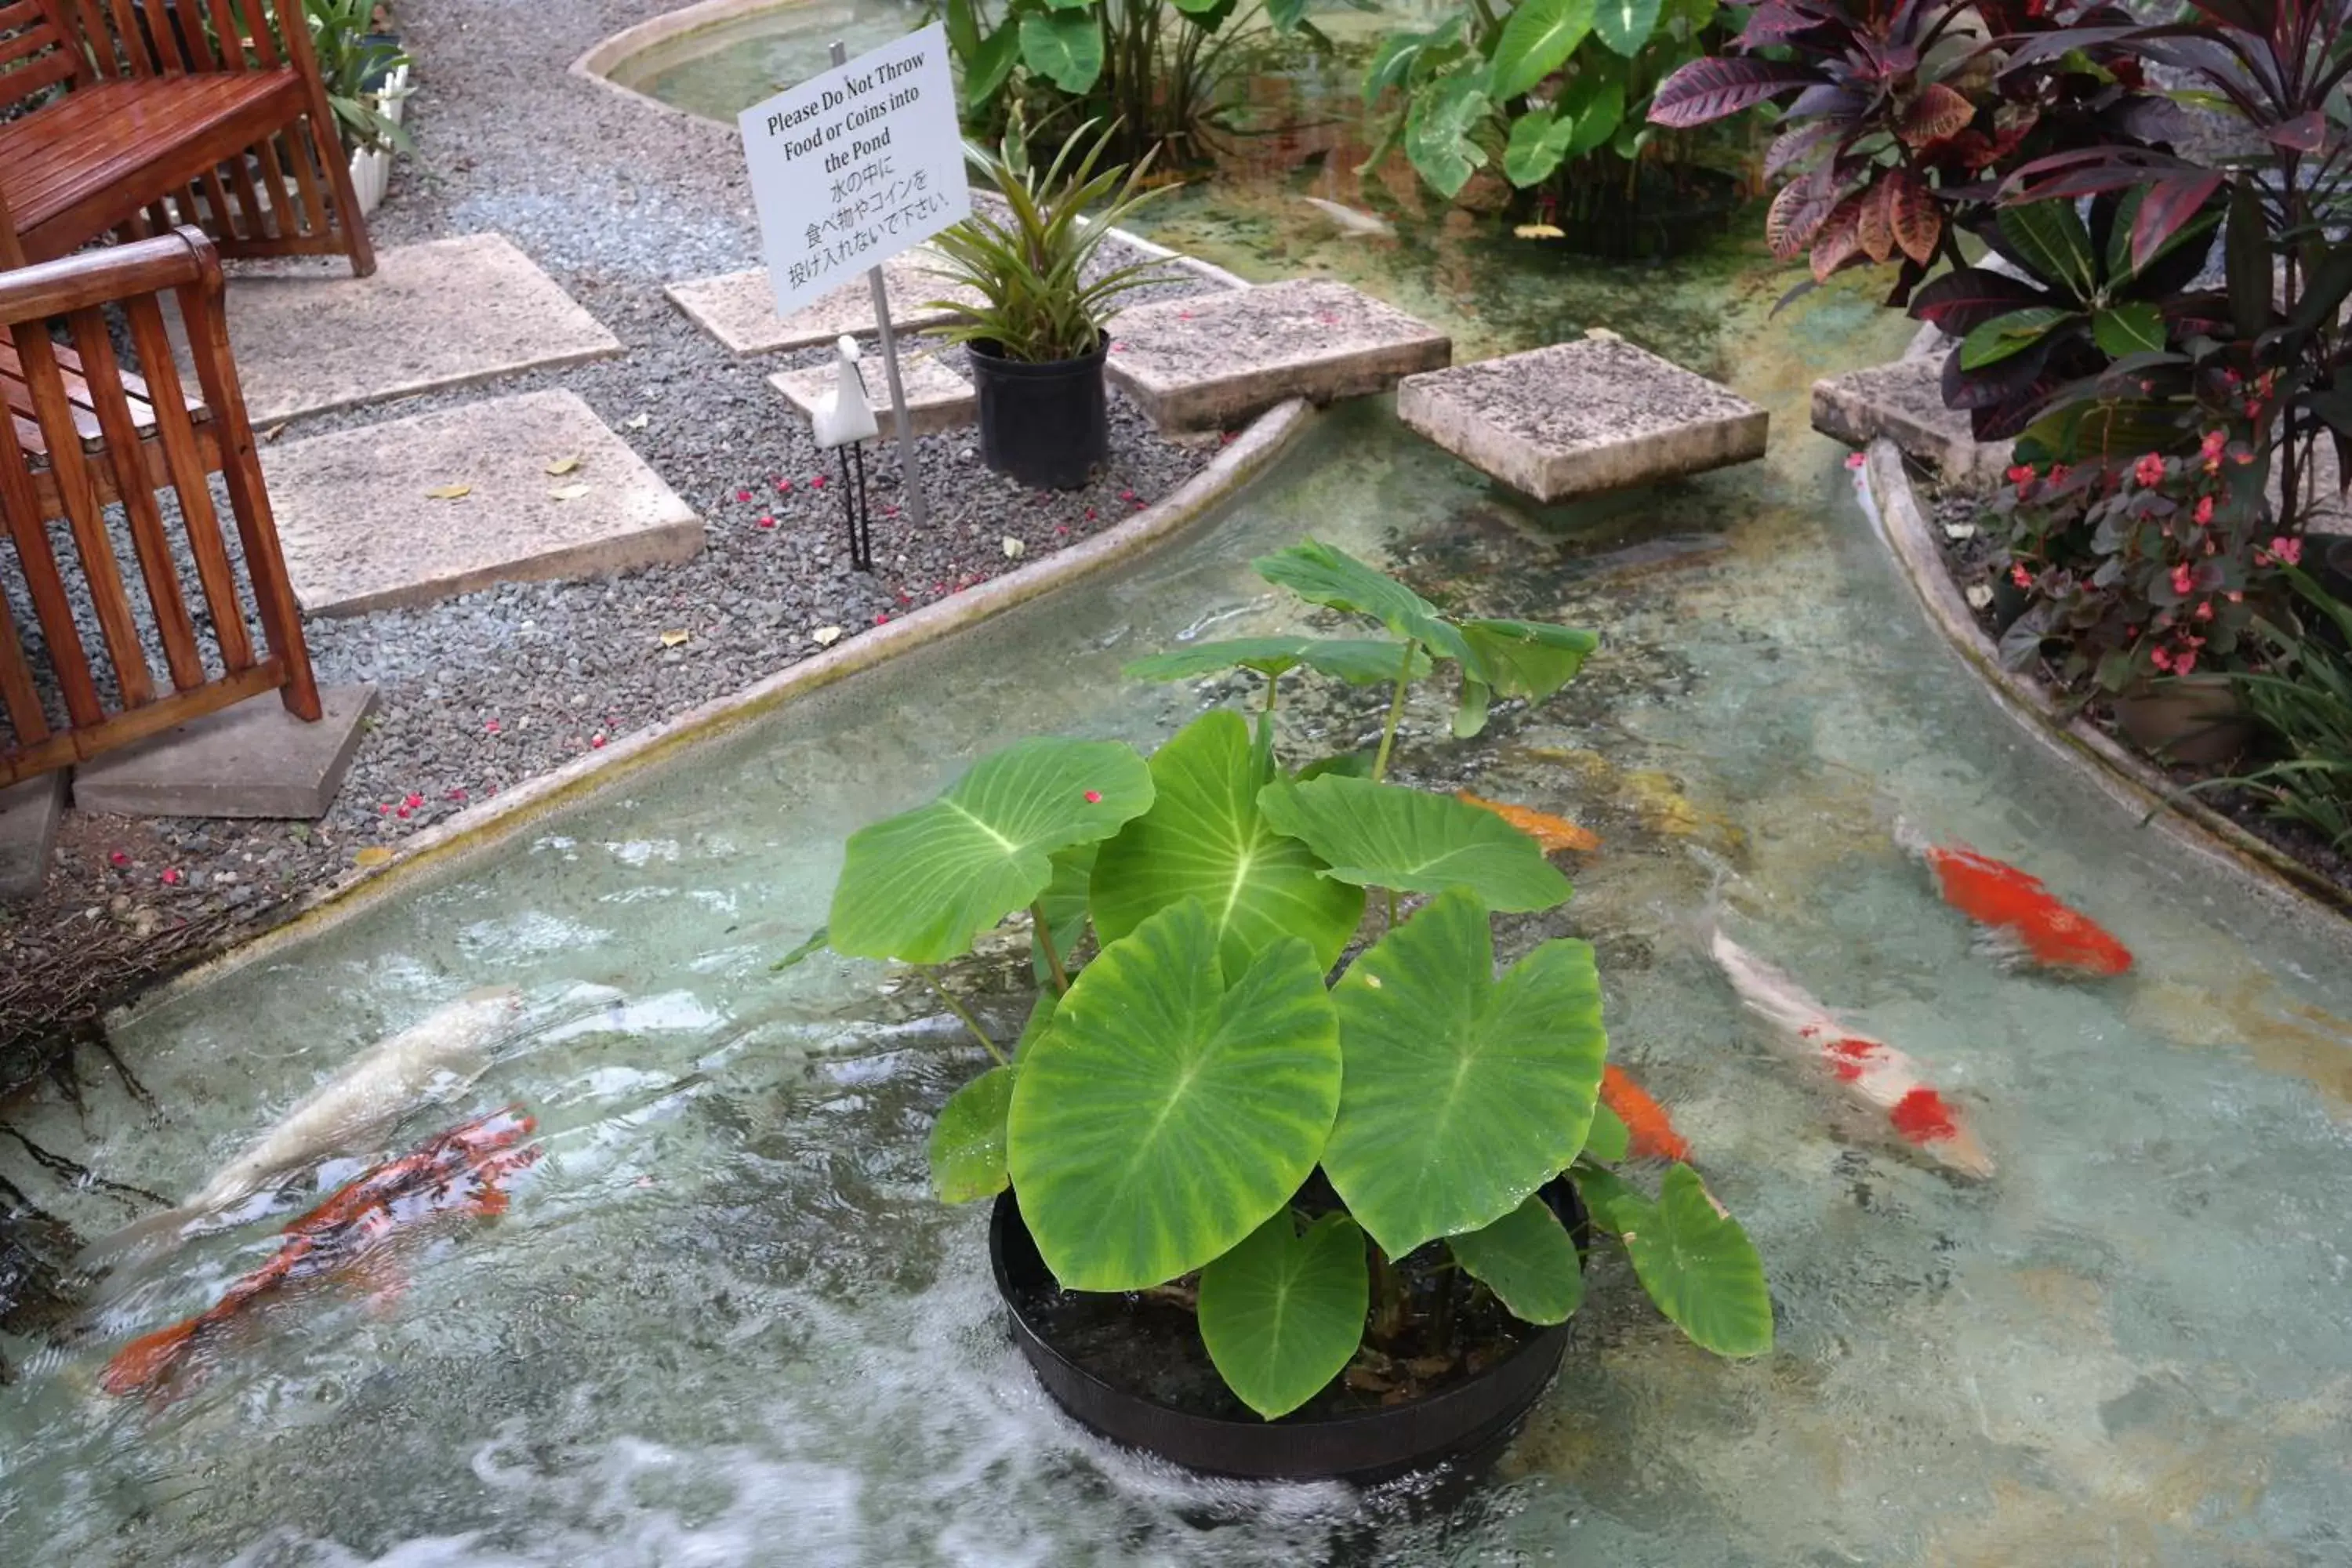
x=1466, y=1426
x=1045, y=425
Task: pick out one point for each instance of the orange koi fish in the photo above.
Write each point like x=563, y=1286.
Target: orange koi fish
x=1871, y=1070
x=2022, y=920
x=1550, y=831
x=457, y=1173
x=1654, y=1134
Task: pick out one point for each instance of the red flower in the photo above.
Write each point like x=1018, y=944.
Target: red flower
x=2213, y=443
x=2289, y=551
x=457, y=795
x=2019, y=575
x=2183, y=578
x=1855, y=459
x=743, y=495
x=491, y=725
x=2017, y=475
x=2205, y=611
x=2161, y=658
x=817, y=480
x=783, y=487
x=2184, y=663
x=2204, y=511
x=596, y=742
x=413, y=802
x=767, y=522
x=119, y=859
x=880, y=617
x=2148, y=471
x=171, y=878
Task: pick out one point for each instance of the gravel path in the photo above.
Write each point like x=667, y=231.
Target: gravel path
x=478, y=693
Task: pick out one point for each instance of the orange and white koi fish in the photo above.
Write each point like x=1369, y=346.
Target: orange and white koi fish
x=2022, y=920
x=1552, y=833
x=1871, y=1070
x=457, y=1173
x=1654, y=1134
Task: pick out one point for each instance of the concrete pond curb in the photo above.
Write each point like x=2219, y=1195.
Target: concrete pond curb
x=2124, y=777
x=449, y=847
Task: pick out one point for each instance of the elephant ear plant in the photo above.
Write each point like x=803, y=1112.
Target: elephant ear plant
x=1166, y=1112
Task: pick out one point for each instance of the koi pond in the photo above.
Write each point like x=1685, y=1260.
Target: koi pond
x=720, y=1320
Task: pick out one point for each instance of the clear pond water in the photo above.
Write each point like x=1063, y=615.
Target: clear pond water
x=724, y=1323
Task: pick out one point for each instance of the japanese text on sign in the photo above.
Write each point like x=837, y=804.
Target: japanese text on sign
x=852, y=167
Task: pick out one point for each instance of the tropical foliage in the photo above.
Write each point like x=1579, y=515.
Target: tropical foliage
x=1031, y=267
x=1551, y=94
x=352, y=65
x=2302, y=696
x=1166, y=1110
x=1155, y=72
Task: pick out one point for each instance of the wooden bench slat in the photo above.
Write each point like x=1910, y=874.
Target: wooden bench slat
x=188, y=463
x=18, y=692
x=132, y=135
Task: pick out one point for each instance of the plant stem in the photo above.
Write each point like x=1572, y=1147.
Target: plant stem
x=1396, y=713
x=1042, y=929
x=961, y=1011
x=1271, y=683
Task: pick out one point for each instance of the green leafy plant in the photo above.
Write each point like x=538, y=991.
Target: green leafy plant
x=1155, y=72
x=1030, y=268
x=1554, y=94
x=2303, y=697
x=353, y=67
x=1199, y=1101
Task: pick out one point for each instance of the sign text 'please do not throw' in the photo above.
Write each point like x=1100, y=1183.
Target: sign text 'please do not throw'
x=854, y=166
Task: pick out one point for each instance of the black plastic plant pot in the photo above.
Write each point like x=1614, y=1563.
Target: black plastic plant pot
x=1043, y=424
x=1464, y=1428
x=376, y=78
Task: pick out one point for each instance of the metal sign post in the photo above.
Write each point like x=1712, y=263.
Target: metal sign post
x=911, y=476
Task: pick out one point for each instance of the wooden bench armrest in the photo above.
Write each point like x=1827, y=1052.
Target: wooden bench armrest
x=88, y=278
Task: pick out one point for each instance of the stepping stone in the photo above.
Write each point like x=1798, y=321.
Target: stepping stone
x=28, y=828
x=1594, y=415
x=251, y=760
x=362, y=533
x=1905, y=403
x=436, y=315
x=1211, y=360
x=739, y=309
x=937, y=397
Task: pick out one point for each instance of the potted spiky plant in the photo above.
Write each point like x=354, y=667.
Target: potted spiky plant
x=1036, y=339
x=1248, y=1218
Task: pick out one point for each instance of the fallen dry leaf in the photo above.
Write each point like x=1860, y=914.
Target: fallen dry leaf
x=671, y=639
x=448, y=492
x=1012, y=548
x=1550, y=831
x=1537, y=231
x=1978, y=595
x=567, y=492
x=825, y=636
x=637, y=421
x=371, y=856
x=563, y=466
x=275, y=431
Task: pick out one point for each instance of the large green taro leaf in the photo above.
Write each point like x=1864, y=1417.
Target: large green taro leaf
x=1699, y=1266
x=1526, y=1258
x=1205, y=838
x=1327, y=576
x=1529, y=658
x=922, y=885
x=1282, y=1313
x=1360, y=661
x=1463, y=1094
x=1166, y=1114
x=1386, y=836
x=967, y=1145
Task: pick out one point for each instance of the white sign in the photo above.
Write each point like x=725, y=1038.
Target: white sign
x=852, y=167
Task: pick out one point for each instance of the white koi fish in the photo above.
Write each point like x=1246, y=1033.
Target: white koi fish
x=442, y=1053
x=1871, y=1070
x=1352, y=220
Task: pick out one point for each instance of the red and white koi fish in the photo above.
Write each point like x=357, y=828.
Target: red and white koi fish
x=1651, y=1130
x=2023, y=920
x=457, y=1173
x=1871, y=1070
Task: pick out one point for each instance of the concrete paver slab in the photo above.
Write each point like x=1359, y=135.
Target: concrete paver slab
x=740, y=310
x=1904, y=402
x=252, y=760
x=1577, y=418
x=440, y=314
x=28, y=829
x=361, y=532
x=1207, y=361
x=937, y=397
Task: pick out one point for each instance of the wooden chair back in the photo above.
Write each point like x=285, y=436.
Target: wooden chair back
x=39, y=51
x=84, y=708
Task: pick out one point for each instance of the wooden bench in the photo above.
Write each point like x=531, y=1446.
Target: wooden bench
x=104, y=441
x=133, y=115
